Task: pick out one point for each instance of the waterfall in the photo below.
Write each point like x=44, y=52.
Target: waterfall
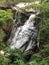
x=25, y=36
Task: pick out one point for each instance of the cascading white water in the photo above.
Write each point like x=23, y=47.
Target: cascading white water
x=24, y=36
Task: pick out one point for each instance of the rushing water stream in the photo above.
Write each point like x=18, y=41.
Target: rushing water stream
x=24, y=36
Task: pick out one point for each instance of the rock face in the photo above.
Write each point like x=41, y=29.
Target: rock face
x=4, y=5
x=7, y=29
x=24, y=36
x=22, y=5
x=1, y=53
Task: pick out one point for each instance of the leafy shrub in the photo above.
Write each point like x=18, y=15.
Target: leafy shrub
x=4, y=61
x=44, y=29
x=12, y=57
x=19, y=62
x=32, y=63
x=36, y=57
x=4, y=16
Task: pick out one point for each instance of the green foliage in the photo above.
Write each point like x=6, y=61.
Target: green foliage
x=13, y=1
x=15, y=54
x=15, y=57
x=19, y=62
x=12, y=57
x=43, y=34
x=36, y=57
x=33, y=63
x=4, y=16
x=44, y=62
x=2, y=46
x=4, y=61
